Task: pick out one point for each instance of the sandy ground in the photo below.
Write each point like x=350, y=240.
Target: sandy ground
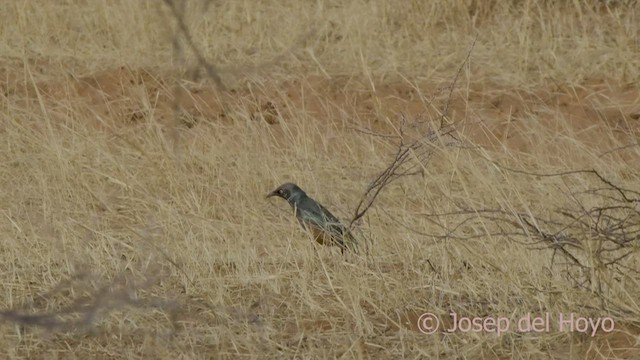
x=134, y=222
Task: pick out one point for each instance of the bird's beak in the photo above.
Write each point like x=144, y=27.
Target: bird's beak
x=273, y=193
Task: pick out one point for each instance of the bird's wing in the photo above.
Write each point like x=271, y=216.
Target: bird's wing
x=314, y=214
x=332, y=222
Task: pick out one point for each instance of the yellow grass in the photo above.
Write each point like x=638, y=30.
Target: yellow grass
x=154, y=220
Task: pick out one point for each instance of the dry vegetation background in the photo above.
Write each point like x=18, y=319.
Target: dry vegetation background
x=139, y=139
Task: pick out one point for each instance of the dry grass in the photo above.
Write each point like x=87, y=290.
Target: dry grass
x=133, y=222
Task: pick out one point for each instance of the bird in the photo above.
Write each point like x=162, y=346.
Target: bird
x=324, y=227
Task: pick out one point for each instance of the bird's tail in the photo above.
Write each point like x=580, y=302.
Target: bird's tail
x=350, y=242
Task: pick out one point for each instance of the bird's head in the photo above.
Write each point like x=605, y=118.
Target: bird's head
x=287, y=191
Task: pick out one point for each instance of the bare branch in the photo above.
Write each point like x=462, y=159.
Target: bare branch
x=211, y=69
x=418, y=151
x=83, y=312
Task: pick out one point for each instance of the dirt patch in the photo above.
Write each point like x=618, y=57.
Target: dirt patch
x=495, y=118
